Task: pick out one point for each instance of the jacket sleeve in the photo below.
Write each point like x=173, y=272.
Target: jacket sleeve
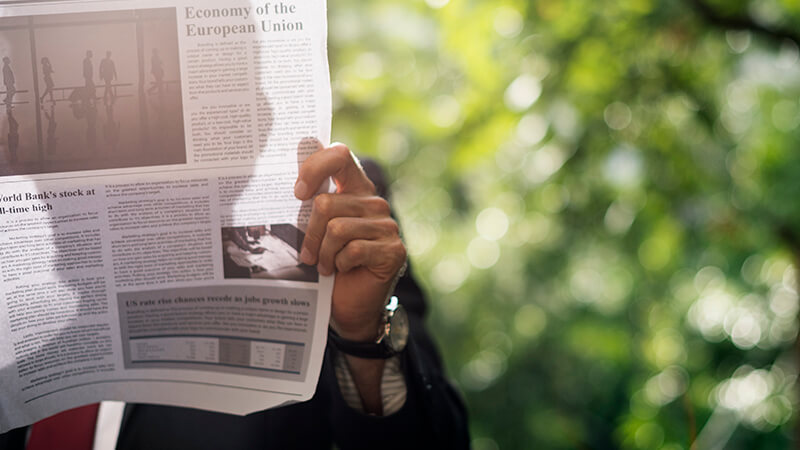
x=14, y=439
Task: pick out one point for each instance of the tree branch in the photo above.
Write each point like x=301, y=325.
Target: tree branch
x=743, y=23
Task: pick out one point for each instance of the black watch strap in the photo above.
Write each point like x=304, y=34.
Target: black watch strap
x=369, y=350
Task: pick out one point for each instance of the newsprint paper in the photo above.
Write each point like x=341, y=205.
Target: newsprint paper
x=149, y=235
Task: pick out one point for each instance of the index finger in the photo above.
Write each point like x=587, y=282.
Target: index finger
x=337, y=162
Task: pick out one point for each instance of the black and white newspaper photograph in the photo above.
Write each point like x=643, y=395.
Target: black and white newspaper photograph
x=110, y=99
x=265, y=251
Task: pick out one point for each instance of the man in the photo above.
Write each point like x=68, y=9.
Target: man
x=398, y=402
x=88, y=77
x=157, y=69
x=108, y=73
x=13, y=136
x=8, y=81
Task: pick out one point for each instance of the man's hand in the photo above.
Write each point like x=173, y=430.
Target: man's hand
x=351, y=233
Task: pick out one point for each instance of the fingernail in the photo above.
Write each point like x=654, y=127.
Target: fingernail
x=305, y=256
x=300, y=189
x=322, y=269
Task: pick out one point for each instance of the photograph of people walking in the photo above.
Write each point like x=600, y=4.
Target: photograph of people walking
x=104, y=100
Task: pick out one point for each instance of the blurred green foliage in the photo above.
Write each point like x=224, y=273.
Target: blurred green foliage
x=602, y=199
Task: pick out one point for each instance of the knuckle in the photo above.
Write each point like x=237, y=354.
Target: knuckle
x=399, y=250
x=341, y=152
x=335, y=228
x=342, y=265
x=323, y=204
x=393, y=227
x=388, y=227
x=379, y=206
x=356, y=251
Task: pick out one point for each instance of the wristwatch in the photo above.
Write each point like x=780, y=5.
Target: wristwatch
x=392, y=335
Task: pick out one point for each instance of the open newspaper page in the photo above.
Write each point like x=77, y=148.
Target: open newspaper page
x=148, y=230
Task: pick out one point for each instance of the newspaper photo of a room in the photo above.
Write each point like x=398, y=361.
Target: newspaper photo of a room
x=265, y=251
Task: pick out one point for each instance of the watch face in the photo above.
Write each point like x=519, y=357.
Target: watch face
x=398, y=333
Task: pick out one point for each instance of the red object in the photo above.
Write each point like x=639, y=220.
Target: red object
x=69, y=430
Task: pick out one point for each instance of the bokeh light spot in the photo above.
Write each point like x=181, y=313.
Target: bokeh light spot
x=530, y=321
x=618, y=218
x=617, y=115
x=369, y=66
x=623, y=168
x=541, y=164
x=445, y=111
x=492, y=224
x=786, y=115
x=450, y=274
x=532, y=128
x=437, y=4
x=482, y=253
x=522, y=92
x=507, y=22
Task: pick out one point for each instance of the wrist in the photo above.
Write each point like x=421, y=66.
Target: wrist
x=359, y=323
x=370, y=324
x=390, y=338
x=359, y=331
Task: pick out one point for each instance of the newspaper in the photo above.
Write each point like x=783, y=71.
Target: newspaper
x=149, y=234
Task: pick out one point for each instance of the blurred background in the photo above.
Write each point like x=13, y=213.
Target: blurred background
x=602, y=200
